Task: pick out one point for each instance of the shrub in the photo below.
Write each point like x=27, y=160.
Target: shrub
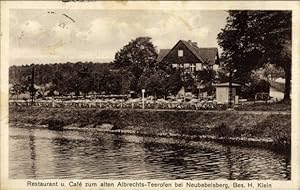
x=255, y=86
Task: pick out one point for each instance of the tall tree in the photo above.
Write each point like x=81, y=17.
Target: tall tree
x=252, y=39
x=135, y=57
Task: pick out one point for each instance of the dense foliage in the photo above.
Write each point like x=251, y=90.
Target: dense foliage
x=133, y=58
x=66, y=78
x=252, y=39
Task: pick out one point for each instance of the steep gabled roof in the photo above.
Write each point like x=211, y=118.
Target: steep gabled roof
x=208, y=54
x=205, y=55
x=193, y=49
x=162, y=53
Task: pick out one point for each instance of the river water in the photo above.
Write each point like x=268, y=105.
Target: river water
x=41, y=154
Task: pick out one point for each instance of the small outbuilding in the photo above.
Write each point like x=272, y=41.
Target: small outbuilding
x=222, y=92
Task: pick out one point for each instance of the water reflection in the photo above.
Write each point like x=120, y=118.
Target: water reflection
x=229, y=163
x=40, y=153
x=32, y=152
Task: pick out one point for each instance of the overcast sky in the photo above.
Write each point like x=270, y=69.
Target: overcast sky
x=49, y=36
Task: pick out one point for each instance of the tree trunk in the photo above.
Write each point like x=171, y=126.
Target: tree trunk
x=287, y=87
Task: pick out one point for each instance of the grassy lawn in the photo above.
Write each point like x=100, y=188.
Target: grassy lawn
x=267, y=125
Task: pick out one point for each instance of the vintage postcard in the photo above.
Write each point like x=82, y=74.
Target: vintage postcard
x=150, y=95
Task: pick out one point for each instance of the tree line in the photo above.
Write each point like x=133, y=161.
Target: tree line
x=134, y=68
x=66, y=78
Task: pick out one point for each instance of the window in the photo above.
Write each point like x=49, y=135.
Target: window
x=215, y=67
x=186, y=65
x=199, y=66
x=180, y=53
x=193, y=68
x=186, y=68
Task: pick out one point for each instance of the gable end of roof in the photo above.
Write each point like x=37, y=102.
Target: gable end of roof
x=205, y=55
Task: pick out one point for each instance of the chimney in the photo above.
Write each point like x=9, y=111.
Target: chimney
x=194, y=44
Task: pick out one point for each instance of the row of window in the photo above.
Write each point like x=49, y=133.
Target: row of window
x=192, y=67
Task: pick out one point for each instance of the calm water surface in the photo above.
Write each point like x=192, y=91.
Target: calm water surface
x=41, y=154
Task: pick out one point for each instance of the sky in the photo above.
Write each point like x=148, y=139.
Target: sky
x=43, y=36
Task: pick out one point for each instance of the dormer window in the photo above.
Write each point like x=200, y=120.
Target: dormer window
x=180, y=53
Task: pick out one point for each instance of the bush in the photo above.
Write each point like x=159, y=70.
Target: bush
x=262, y=86
x=255, y=86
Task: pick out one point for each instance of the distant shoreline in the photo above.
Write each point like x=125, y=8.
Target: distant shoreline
x=244, y=128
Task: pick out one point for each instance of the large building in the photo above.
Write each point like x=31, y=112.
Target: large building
x=188, y=57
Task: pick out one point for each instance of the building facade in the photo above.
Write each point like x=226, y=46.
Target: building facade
x=189, y=58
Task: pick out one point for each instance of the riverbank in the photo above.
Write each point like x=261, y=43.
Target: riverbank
x=262, y=129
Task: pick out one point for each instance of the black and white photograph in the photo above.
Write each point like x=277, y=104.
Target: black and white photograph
x=150, y=94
